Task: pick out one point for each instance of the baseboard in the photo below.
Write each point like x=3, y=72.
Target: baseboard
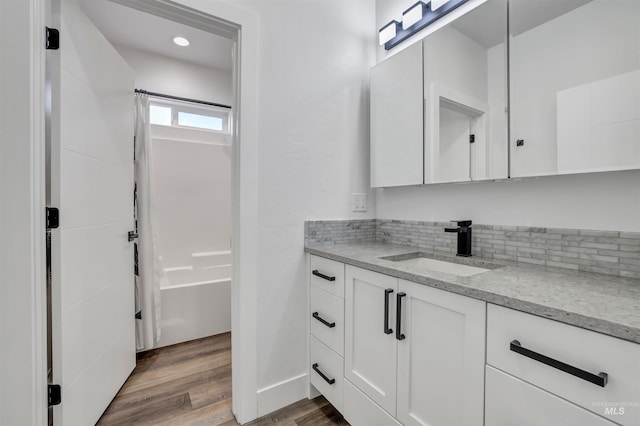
x=282, y=394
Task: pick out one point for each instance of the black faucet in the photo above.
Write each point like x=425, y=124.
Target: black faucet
x=464, y=237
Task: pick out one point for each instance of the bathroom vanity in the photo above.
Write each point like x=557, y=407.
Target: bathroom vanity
x=394, y=339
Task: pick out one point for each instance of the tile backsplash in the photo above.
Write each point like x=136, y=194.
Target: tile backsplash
x=605, y=252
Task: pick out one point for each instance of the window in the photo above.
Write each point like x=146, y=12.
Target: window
x=179, y=114
x=198, y=120
x=160, y=115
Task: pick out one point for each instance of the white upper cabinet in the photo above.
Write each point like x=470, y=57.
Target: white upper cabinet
x=438, y=108
x=565, y=99
x=396, y=120
x=575, y=86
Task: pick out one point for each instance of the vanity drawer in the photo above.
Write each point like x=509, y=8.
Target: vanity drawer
x=327, y=275
x=327, y=372
x=359, y=410
x=524, y=345
x=510, y=401
x=327, y=319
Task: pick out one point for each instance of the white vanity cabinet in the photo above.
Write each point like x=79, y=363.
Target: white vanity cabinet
x=387, y=352
x=511, y=401
x=326, y=340
x=416, y=351
x=542, y=370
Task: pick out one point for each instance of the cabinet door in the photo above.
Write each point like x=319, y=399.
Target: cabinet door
x=510, y=401
x=370, y=353
x=574, y=112
x=441, y=360
x=396, y=119
x=465, y=92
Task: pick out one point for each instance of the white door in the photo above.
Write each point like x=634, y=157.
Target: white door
x=370, y=351
x=92, y=184
x=441, y=360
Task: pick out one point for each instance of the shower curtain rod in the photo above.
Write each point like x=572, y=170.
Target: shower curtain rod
x=178, y=98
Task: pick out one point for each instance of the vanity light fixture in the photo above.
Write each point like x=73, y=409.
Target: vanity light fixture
x=414, y=14
x=437, y=4
x=414, y=19
x=388, y=32
x=181, y=41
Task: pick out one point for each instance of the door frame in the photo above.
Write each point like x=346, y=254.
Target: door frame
x=23, y=349
x=28, y=399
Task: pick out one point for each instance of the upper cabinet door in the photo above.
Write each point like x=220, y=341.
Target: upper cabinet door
x=396, y=119
x=465, y=97
x=575, y=86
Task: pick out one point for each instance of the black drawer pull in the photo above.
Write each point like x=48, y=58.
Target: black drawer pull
x=326, y=379
x=599, y=379
x=399, y=297
x=387, y=292
x=322, y=320
x=321, y=275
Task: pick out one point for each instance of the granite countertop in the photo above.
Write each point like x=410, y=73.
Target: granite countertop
x=602, y=303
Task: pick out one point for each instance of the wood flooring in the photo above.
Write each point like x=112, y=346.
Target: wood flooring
x=189, y=384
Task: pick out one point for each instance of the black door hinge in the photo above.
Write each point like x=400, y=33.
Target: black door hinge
x=53, y=39
x=53, y=218
x=472, y=138
x=55, y=395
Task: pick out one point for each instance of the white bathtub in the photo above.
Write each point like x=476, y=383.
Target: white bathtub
x=196, y=301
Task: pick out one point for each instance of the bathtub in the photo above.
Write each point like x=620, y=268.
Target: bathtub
x=196, y=300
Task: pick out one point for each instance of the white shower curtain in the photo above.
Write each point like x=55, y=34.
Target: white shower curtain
x=150, y=272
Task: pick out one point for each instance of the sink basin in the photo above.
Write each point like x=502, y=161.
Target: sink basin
x=462, y=267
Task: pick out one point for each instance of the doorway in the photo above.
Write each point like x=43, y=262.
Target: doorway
x=244, y=404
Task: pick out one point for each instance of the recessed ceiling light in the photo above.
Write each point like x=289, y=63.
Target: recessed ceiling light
x=181, y=41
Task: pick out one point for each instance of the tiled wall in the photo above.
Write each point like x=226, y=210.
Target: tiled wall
x=604, y=252
x=339, y=231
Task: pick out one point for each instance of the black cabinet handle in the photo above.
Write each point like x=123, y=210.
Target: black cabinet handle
x=387, y=292
x=321, y=275
x=599, y=379
x=326, y=379
x=399, y=297
x=322, y=320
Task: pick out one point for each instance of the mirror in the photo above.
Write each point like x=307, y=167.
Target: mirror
x=574, y=85
x=465, y=97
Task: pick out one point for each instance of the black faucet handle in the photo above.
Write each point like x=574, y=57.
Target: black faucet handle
x=462, y=223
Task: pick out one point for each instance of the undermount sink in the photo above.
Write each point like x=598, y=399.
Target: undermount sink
x=462, y=267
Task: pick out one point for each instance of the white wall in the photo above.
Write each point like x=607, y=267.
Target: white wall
x=192, y=194
x=313, y=135
x=22, y=278
x=161, y=74
x=604, y=201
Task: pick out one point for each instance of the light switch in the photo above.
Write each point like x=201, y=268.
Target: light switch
x=359, y=202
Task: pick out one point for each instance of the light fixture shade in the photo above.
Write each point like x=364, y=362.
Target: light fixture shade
x=413, y=14
x=437, y=4
x=181, y=41
x=388, y=32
